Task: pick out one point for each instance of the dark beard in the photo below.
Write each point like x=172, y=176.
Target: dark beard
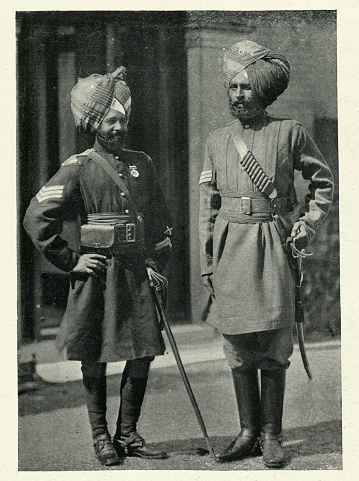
x=245, y=111
x=112, y=143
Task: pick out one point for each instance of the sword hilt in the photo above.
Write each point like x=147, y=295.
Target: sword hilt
x=156, y=280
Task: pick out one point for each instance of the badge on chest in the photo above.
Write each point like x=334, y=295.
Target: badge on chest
x=133, y=171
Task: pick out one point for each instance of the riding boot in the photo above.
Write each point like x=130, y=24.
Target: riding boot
x=248, y=401
x=127, y=441
x=95, y=395
x=272, y=399
x=132, y=392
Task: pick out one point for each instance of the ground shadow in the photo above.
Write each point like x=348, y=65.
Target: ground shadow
x=43, y=396
x=320, y=438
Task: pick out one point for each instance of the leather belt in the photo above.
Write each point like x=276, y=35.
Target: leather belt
x=253, y=205
x=112, y=233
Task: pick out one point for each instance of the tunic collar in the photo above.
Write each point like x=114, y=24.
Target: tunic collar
x=256, y=124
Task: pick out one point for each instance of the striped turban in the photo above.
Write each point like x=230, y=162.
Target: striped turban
x=93, y=96
x=268, y=72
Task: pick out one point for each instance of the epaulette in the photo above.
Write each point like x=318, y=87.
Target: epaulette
x=280, y=117
x=138, y=152
x=148, y=158
x=75, y=160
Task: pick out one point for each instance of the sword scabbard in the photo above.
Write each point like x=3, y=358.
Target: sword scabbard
x=299, y=311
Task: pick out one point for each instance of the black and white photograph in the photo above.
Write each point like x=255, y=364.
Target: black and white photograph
x=179, y=241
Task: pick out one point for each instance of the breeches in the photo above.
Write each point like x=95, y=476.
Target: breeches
x=267, y=350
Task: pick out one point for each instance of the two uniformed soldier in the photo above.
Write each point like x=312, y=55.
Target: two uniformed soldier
x=125, y=226
x=246, y=216
x=247, y=200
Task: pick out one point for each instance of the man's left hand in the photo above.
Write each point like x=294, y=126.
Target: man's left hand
x=300, y=235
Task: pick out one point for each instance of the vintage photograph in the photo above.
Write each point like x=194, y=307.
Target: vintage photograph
x=178, y=246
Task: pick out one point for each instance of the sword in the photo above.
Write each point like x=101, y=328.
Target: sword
x=299, y=311
x=158, y=284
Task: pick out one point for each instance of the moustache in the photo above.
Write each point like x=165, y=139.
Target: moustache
x=116, y=136
x=242, y=105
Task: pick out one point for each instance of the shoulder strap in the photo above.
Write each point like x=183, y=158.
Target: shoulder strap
x=238, y=141
x=251, y=165
x=115, y=177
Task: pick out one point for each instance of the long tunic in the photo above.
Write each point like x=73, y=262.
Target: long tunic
x=112, y=319
x=253, y=280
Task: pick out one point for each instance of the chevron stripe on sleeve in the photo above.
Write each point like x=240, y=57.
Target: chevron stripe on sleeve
x=206, y=176
x=51, y=192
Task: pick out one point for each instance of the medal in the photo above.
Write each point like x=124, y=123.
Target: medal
x=133, y=171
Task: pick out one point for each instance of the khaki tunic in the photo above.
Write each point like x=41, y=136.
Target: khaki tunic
x=253, y=280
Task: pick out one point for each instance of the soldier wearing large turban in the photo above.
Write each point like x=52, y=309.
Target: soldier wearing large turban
x=110, y=315
x=247, y=201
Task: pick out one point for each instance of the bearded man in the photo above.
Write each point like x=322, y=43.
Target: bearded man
x=247, y=201
x=110, y=314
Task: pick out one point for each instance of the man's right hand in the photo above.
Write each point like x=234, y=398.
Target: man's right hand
x=208, y=283
x=91, y=264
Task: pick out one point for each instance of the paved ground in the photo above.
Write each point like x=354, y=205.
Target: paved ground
x=54, y=434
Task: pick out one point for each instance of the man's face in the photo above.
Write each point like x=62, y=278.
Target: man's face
x=113, y=128
x=243, y=104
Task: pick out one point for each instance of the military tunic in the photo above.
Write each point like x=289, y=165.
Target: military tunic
x=114, y=318
x=252, y=278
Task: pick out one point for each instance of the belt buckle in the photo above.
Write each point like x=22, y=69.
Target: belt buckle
x=130, y=233
x=246, y=205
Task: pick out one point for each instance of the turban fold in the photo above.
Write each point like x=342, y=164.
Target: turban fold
x=93, y=96
x=268, y=72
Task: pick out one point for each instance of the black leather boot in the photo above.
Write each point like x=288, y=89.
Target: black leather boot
x=105, y=451
x=272, y=399
x=127, y=440
x=247, y=394
x=133, y=444
x=95, y=395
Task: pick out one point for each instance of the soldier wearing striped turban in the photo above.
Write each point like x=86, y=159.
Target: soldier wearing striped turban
x=243, y=227
x=110, y=315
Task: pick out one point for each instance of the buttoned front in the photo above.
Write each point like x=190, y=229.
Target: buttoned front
x=112, y=319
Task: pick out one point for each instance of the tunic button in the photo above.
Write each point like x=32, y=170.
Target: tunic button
x=122, y=194
x=246, y=126
x=121, y=175
x=117, y=157
x=127, y=211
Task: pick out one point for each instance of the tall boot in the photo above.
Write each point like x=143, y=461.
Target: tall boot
x=95, y=396
x=248, y=401
x=272, y=400
x=132, y=391
x=127, y=441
